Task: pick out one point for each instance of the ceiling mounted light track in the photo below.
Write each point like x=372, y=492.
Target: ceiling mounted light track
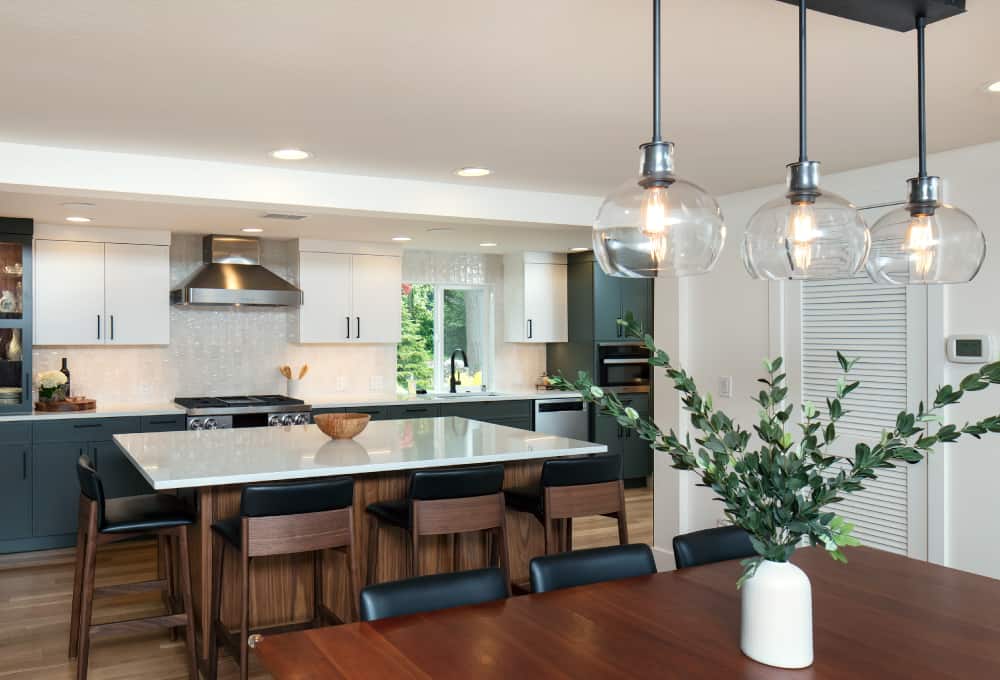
x=926, y=241
x=808, y=233
x=658, y=224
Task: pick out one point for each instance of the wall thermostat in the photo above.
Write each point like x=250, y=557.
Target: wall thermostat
x=970, y=349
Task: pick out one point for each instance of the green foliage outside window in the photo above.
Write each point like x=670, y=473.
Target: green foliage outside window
x=415, y=352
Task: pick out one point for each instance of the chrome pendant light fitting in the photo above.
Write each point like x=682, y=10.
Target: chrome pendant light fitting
x=926, y=241
x=808, y=233
x=658, y=224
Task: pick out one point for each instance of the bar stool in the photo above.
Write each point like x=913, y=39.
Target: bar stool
x=103, y=521
x=439, y=502
x=282, y=519
x=574, y=487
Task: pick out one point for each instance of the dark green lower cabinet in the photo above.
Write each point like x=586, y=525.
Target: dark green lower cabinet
x=15, y=491
x=636, y=453
x=55, y=490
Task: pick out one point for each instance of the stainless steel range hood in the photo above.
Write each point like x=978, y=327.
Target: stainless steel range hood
x=233, y=275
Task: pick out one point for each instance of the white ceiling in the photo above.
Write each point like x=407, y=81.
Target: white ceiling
x=553, y=94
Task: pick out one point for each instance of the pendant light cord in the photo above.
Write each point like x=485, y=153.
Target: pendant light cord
x=657, y=136
x=803, y=155
x=922, y=95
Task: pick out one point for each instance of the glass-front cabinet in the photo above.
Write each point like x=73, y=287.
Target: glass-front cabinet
x=15, y=315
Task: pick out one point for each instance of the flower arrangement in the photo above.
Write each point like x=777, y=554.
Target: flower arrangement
x=50, y=385
x=775, y=488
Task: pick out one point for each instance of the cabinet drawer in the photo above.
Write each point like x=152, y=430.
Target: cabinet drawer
x=414, y=411
x=489, y=410
x=376, y=412
x=84, y=429
x=167, y=423
x=15, y=433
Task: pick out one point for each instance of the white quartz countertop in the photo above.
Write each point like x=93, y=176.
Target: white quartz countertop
x=102, y=411
x=173, y=460
x=349, y=400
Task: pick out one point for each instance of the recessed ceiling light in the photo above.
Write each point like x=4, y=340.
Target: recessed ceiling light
x=473, y=172
x=993, y=87
x=488, y=244
x=72, y=204
x=290, y=154
x=401, y=238
x=77, y=218
x=578, y=249
x=251, y=230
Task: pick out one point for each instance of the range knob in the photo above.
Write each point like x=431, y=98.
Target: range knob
x=273, y=421
x=288, y=420
x=302, y=419
x=196, y=424
x=210, y=424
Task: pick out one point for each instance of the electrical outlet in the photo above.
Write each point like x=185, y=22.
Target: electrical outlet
x=341, y=383
x=726, y=386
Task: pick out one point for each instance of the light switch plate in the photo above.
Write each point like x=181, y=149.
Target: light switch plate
x=726, y=386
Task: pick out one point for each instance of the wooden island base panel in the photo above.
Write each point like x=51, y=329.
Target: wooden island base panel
x=281, y=588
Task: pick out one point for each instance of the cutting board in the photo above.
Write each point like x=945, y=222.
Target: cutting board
x=71, y=404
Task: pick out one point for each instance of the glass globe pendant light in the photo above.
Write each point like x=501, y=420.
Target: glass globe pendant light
x=925, y=241
x=808, y=233
x=658, y=224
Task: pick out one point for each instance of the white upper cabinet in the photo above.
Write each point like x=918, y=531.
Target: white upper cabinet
x=69, y=293
x=535, y=297
x=351, y=293
x=137, y=293
x=91, y=291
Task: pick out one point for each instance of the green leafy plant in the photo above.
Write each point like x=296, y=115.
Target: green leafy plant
x=776, y=488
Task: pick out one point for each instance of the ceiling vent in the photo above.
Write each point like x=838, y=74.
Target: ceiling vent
x=283, y=216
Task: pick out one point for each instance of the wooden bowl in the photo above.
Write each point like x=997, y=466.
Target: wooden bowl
x=342, y=425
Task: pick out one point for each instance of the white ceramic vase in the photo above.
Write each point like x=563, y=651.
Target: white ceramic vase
x=777, y=627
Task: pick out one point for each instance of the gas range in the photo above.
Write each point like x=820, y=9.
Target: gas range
x=220, y=413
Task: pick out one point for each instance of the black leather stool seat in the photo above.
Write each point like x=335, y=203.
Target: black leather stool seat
x=144, y=513
x=526, y=499
x=396, y=513
x=230, y=530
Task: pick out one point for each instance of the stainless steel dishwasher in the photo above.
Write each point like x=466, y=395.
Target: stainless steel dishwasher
x=565, y=417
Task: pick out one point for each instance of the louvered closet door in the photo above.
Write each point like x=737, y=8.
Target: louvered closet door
x=885, y=328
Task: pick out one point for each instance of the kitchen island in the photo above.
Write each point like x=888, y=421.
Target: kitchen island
x=218, y=463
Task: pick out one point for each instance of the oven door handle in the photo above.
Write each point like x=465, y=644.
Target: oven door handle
x=622, y=362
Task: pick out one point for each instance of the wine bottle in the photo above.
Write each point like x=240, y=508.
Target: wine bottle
x=65, y=371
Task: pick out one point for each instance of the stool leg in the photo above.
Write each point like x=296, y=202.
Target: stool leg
x=622, y=522
x=184, y=567
x=415, y=543
x=568, y=538
x=550, y=547
x=456, y=552
x=218, y=552
x=317, y=588
x=81, y=556
x=353, y=571
x=87, y=603
x=167, y=558
x=371, y=572
x=244, y=613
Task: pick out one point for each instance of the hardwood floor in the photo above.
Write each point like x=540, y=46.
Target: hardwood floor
x=35, y=600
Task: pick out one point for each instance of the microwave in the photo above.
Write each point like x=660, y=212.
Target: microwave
x=623, y=365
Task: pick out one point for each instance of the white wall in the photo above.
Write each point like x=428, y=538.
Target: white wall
x=237, y=350
x=724, y=314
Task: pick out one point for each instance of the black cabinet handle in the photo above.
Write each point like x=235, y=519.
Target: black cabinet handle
x=162, y=421
x=98, y=326
x=358, y=336
x=531, y=329
x=348, y=319
x=112, y=326
x=85, y=426
x=24, y=463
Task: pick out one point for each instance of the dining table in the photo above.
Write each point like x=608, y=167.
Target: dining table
x=880, y=615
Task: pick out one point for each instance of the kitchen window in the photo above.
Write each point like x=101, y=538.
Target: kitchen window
x=436, y=320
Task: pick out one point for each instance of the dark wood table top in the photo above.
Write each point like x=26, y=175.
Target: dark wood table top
x=880, y=616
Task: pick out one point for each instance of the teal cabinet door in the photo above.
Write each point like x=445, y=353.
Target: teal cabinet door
x=607, y=431
x=15, y=491
x=55, y=489
x=636, y=296
x=607, y=305
x=118, y=475
x=637, y=455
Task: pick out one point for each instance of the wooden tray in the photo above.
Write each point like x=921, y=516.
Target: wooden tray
x=71, y=404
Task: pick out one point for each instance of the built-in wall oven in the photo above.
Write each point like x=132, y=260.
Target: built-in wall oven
x=623, y=365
